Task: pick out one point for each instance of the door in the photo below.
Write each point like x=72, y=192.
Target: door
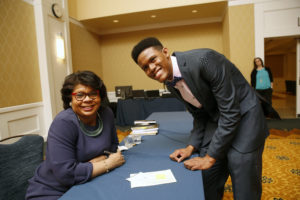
x=298, y=79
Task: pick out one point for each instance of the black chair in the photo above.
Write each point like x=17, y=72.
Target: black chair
x=152, y=93
x=125, y=92
x=113, y=107
x=138, y=94
x=290, y=87
x=18, y=162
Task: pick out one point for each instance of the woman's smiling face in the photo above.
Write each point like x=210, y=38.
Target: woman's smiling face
x=87, y=108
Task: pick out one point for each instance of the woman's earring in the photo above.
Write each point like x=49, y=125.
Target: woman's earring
x=70, y=104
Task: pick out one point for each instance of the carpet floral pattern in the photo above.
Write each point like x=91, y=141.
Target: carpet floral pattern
x=281, y=167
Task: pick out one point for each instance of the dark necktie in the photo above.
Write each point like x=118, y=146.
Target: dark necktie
x=174, y=81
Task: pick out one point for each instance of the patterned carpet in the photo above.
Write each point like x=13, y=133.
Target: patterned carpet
x=281, y=166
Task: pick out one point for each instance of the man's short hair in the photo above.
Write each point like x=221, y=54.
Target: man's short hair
x=144, y=44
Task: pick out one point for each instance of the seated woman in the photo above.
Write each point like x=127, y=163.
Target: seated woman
x=77, y=139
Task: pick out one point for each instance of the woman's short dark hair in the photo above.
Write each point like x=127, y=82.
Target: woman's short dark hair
x=86, y=78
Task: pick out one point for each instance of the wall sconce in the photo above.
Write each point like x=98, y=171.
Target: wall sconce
x=60, y=46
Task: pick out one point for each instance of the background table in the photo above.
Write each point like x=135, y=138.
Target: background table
x=151, y=155
x=129, y=110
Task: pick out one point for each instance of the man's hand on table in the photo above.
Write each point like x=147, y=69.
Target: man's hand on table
x=200, y=163
x=180, y=154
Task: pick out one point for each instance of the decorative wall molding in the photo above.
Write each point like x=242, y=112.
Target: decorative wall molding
x=20, y=107
x=78, y=23
x=22, y=119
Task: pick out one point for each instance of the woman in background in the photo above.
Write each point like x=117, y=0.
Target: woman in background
x=262, y=79
x=77, y=140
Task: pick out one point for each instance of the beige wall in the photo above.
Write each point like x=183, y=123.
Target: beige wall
x=241, y=37
x=119, y=68
x=226, y=38
x=19, y=69
x=86, y=51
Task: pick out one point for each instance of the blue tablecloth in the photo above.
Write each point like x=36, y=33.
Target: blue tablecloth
x=129, y=110
x=151, y=155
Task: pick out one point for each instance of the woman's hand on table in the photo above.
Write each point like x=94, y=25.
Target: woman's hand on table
x=97, y=159
x=115, y=160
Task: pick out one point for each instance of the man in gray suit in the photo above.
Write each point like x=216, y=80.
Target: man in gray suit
x=229, y=128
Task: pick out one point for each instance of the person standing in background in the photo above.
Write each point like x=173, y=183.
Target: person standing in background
x=262, y=79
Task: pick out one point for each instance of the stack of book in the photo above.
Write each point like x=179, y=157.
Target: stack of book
x=144, y=127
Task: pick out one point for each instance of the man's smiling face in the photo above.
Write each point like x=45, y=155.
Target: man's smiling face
x=156, y=64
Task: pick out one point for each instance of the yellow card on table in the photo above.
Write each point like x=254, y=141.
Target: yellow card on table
x=160, y=176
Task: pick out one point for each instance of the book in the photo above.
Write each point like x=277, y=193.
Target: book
x=144, y=122
x=145, y=127
x=145, y=133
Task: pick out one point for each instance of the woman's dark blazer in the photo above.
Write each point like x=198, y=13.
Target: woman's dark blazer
x=226, y=97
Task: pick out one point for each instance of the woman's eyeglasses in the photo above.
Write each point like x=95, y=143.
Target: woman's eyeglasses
x=80, y=96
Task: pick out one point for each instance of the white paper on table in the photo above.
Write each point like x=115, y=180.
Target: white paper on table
x=151, y=178
x=122, y=148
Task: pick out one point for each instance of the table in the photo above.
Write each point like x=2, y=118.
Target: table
x=129, y=110
x=151, y=155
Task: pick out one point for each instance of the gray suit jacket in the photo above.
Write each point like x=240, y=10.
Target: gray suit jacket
x=226, y=97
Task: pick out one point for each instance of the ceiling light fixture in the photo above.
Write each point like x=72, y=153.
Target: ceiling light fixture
x=153, y=16
x=115, y=21
x=194, y=11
